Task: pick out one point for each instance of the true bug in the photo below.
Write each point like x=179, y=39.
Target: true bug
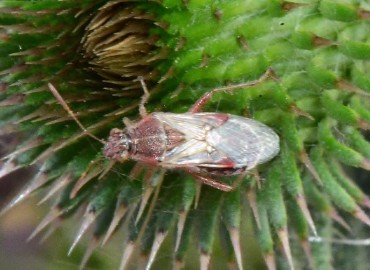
x=199, y=143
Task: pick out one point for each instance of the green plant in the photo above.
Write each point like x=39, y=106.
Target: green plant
x=93, y=51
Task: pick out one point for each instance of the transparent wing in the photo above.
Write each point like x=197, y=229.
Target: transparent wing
x=245, y=141
x=220, y=141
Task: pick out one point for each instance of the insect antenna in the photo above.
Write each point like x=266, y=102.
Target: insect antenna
x=64, y=104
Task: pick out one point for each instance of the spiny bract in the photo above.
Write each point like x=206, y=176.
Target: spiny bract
x=93, y=51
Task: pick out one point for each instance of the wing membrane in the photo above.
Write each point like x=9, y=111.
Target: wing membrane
x=194, y=151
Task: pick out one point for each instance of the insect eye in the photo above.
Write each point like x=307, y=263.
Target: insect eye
x=124, y=144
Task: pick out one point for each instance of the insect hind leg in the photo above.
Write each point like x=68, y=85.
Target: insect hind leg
x=202, y=101
x=211, y=182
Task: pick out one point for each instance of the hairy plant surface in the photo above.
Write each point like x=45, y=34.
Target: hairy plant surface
x=93, y=52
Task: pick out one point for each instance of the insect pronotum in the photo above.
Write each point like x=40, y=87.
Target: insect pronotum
x=198, y=143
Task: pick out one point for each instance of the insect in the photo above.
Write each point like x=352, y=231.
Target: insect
x=203, y=144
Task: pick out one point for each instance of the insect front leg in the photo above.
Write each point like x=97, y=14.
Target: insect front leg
x=200, y=103
x=144, y=98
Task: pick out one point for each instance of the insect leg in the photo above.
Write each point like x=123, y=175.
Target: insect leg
x=65, y=106
x=144, y=98
x=199, y=104
x=211, y=182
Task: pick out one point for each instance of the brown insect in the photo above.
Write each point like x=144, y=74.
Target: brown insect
x=198, y=143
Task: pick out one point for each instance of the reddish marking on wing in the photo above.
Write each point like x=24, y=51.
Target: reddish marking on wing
x=221, y=117
x=221, y=165
x=227, y=163
x=214, y=119
x=226, y=167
